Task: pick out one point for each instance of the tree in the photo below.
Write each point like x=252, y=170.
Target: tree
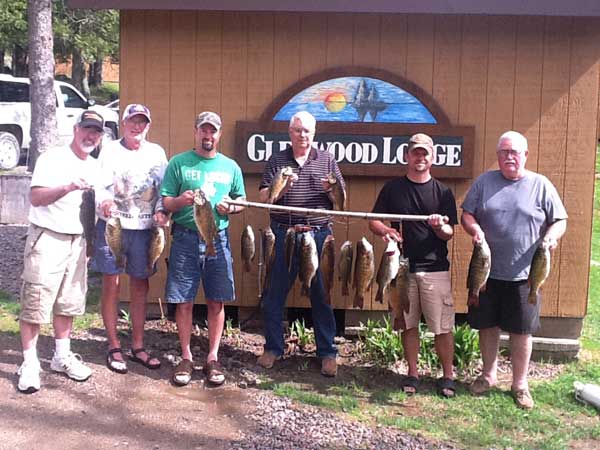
x=13, y=33
x=41, y=74
x=86, y=36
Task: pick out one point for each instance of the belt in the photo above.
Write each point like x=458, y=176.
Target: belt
x=300, y=228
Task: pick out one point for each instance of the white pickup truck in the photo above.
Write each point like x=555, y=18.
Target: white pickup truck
x=15, y=116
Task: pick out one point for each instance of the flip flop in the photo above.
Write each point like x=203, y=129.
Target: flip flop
x=446, y=387
x=144, y=362
x=114, y=364
x=214, y=373
x=182, y=373
x=410, y=385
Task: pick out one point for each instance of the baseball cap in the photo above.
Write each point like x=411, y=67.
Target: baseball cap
x=421, y=140
x=208, y=117
x=134, y=109
x=91, y=118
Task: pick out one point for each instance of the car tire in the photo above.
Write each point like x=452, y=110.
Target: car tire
x=10, y=151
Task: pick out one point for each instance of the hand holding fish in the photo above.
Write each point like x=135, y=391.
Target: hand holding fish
x=185, y=199
x=161, y=218
x=107, y=207
x=550, y=242
x=78, y=183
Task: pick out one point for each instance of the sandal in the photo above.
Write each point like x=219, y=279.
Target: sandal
x=182, y=373
x=410, y=385
x=480, y=386
x=113, y=364
x=446, y=387
x=214, y=373
x=144, y=362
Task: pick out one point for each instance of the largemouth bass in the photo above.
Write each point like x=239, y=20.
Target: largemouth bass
x=345, y=266
x=337, y=193
x=539, y=271
x=327, y=265
x=157, y=245
x=112, y=235
x=279, y=182
x=290, y=245
x=398, y=300
x=388, y=269
x=269, y=252
x=205, y=221
x=309, y=262
x=248, y=247
x=479, y=270
x=364, y=269
x=87, y=217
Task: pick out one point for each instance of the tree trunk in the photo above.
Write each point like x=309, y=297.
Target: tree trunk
x=19, y=62
x=41, y=68
x=96, y=72
x=78, y=69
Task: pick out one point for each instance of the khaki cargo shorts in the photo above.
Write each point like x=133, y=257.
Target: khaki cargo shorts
x=54, y=275
x=430, y=294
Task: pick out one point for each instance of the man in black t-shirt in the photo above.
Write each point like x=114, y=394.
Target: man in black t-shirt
x=425, y=245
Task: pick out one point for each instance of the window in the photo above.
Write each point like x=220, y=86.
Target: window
x=72, y=99
x=14, y=92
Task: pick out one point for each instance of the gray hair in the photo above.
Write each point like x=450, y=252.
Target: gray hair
x=519, y=141
x=306, y=118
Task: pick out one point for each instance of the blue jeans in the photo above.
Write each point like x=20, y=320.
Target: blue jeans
x=276, y=292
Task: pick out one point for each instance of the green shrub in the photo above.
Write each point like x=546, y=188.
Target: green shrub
x=304, y=335
x=466, y=348
x=381, y=343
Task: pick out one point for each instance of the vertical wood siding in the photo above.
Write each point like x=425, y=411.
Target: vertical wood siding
x=537, y=75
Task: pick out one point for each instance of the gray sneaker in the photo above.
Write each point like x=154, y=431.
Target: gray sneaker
x=72, y=365
x=29, y=377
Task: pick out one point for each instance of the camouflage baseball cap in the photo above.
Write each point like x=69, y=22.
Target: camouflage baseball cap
x=136, y=109
x=210, y=118
x=421, y=140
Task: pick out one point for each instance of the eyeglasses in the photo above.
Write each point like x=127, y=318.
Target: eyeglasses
x=514, y=153
x=300, y=130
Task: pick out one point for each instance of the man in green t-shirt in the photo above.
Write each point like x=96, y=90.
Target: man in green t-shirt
x=219, y=178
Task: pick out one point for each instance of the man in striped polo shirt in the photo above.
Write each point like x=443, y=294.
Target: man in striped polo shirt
x=306, y=188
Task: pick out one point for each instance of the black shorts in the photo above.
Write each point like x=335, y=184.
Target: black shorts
x=504, y=304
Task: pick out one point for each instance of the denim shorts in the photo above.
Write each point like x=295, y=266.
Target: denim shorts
x=188, y=264
x=136, y=245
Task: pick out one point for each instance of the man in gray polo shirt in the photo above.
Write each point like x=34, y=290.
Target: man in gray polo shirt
x=514, y=210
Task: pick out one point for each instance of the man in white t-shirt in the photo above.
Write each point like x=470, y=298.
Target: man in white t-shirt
x=55, y=261
x=132, y=170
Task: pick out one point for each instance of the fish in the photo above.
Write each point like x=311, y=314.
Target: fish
x=290, y=245
x=248, y=247
x=388, y=269
x=539, y=271
x=205, y=221
x=309, y=262
x=398, y=300
x=87, y=217
x=327, y=265
x=279, y=183
x=345, y=266
x=112, y=235
x=479, y=271
x=364, y=269
x=269, y=252
x=157, y=245
x=337, y=193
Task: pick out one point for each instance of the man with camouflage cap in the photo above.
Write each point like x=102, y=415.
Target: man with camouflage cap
x=219, y=178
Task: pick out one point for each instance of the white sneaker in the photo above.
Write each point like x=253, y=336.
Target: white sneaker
x=72, y=365
x=29, y=377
